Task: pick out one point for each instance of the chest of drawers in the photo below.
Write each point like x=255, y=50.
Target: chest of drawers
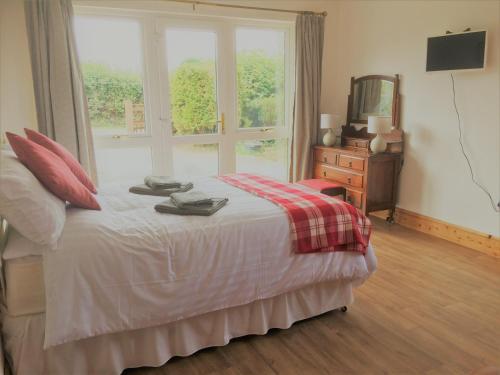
x=371, y=180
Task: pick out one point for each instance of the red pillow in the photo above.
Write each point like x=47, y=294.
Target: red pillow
x=52, y=172
x=64, y=154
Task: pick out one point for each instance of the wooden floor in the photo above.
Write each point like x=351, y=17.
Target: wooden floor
x=432, y=307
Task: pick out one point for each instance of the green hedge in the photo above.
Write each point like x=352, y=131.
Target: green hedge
x=194, y=111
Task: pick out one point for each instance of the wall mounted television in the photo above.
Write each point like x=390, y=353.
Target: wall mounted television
x=460, y=51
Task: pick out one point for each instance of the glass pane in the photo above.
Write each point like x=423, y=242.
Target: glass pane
x=260, y=59
x=111, y=60
x=191, y=58
x=123, y=164
x=265, y=157
x=372, y=97
x=195, y=160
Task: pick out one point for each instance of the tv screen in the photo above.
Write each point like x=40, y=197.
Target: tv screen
x=456, y=51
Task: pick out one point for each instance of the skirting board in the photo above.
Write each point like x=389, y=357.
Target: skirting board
x=472, y=239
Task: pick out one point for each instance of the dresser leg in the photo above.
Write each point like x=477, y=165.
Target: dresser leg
x=390, y=218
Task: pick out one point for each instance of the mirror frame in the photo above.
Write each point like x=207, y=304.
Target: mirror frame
x=395, y=98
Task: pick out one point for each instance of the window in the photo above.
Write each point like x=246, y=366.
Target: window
x=260, y=64
x=266, y=157
x=192, y=76
x=186, y=97
x=111, y=60
x=110, y=53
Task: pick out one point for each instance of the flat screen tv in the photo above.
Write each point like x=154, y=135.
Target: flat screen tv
x=456, y=51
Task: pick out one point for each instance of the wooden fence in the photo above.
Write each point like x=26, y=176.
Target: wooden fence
x=134, y=117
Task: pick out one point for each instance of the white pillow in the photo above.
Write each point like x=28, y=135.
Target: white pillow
x=32, y=210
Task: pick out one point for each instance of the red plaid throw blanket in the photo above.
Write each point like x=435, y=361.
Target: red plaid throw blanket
x=318, y=223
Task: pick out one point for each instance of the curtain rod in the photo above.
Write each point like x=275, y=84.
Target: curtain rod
x=194, y=3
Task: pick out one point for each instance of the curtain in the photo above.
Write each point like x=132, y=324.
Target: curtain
x=59, y=92
x=372, y=93
x=309, y=35
x=367, y=95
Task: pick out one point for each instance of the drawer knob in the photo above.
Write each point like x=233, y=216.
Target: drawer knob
x=348, y=180
x=325, y=159
x=324, y=173
x=350, y=164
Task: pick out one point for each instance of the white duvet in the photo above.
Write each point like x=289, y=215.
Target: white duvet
x=128, y=267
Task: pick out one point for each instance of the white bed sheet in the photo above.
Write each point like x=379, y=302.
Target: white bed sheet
x=128, y=267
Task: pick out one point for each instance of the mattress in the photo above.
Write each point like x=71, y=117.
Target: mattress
x=22, y=265
x=25, y=292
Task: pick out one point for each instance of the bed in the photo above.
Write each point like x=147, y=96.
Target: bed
x=128, y=287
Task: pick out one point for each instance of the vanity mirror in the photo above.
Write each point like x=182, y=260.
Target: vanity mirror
x=373, y=95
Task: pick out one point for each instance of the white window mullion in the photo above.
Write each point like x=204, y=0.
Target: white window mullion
x=165, y=116
x=227, y=95
x=152, y=89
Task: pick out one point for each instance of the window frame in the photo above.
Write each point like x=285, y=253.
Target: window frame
x=158, y=135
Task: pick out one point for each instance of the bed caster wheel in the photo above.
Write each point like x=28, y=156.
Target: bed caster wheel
x=343, y=308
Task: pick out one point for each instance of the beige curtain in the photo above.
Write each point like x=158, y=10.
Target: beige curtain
x=309, y=37
x=59, y=93
x=367, y=100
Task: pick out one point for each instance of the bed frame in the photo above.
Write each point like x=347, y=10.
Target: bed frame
x=4, y=233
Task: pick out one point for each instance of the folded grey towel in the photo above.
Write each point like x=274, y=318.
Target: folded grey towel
x=161, y=182
x=146, y=190
x=191, y=198
x=168, y=207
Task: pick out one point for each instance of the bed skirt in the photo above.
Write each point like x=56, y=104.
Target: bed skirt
x=110, y=354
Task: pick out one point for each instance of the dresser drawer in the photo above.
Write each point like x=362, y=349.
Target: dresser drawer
x=356, y=142
x=325, y=156
x=325, y=171
x=355, y=198
x=351, y=162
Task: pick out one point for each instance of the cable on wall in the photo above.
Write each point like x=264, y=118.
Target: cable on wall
x=460, y=140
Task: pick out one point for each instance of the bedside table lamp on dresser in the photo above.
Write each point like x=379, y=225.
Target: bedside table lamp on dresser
x=379, y=125
x=329, y=122
x=370, y=179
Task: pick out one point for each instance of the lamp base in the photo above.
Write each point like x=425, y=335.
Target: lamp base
x=329, y=138
x=378, y=144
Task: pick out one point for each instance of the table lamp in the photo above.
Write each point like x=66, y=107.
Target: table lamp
x=329, y=122
x=379, y=125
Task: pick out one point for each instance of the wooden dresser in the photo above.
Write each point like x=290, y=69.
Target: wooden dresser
x=370, y=179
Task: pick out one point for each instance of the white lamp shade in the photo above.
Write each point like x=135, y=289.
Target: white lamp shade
x=328, y=121
x=379, y=124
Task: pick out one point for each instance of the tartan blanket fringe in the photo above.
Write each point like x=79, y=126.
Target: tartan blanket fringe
x=318, y=223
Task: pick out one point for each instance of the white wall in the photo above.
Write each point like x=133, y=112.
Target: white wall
x=388, y=37
x=17, y=102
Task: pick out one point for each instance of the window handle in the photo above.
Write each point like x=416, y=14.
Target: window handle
x=222, y=123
